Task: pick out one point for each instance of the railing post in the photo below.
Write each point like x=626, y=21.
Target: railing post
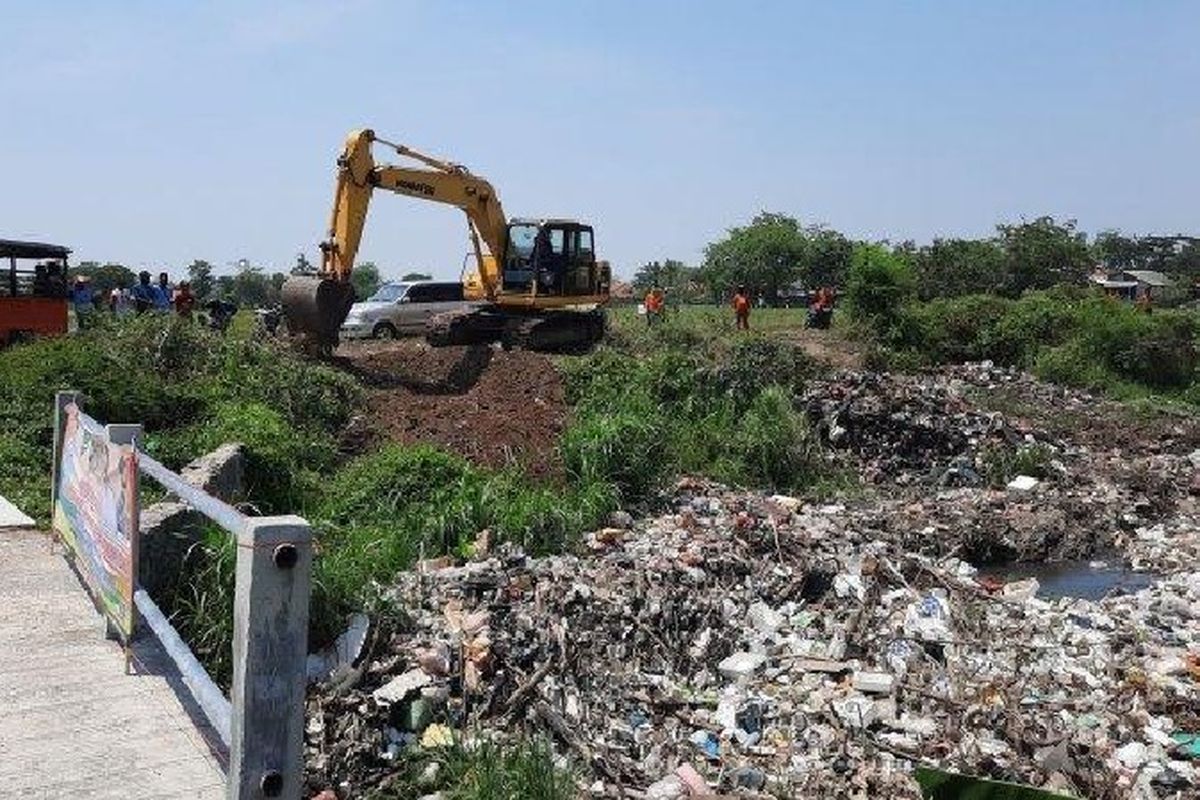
x=61, y=401
x=270, y=645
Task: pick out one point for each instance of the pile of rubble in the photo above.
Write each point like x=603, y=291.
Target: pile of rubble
x=753, y=645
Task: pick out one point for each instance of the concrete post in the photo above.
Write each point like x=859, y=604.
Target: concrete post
x=270, y=645
x=61, y=401
x=128, y=434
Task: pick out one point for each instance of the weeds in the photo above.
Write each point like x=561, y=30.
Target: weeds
x=521, y=770
x=1000, y=464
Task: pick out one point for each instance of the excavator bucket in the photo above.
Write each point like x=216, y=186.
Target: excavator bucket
x=315, y=308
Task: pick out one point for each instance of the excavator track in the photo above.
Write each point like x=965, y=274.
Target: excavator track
x=544, y=332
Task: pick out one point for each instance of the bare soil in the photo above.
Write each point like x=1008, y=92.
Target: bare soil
x=494, y=408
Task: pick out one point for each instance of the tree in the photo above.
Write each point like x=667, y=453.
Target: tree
x=1117, y=251
x=765, y=255
x=225, y=288
x=416, y=276
x=104, y=276
x=201, y=278
x=366, y=280
x=827, y=257
x=680, y=281
x=1041, y=254
x=880, y=282
x=251, y=286
x=953, y=267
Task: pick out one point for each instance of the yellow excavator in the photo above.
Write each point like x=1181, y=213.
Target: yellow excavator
x=535, y=283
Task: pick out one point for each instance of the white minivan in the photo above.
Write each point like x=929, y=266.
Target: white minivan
x=401, y=309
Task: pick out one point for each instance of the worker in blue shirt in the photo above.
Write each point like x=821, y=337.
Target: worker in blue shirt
x=145, y=294
x=162, y=300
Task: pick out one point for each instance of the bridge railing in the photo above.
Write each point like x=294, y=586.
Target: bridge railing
x=262, y=721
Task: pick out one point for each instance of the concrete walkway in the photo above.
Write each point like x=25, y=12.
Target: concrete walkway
x=72, y=723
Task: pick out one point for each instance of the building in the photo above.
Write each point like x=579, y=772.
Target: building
x=1133, y=284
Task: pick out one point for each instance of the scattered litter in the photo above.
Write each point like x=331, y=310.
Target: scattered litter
x=1023, y=483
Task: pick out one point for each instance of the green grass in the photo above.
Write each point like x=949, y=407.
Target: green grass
x=647, y=408
x=519, y=770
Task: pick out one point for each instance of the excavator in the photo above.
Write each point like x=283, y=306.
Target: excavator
x=533, y=284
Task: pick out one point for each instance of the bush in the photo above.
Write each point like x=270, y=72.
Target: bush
x=188, y=387
x=952, y=329
x=879, y=285
x=25, y=475
x=1066, y=334
x=281, y=459
x=386, y=509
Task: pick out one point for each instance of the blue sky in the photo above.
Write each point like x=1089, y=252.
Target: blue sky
x=153, y=133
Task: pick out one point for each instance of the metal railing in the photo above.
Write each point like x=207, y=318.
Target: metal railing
x=262, y=721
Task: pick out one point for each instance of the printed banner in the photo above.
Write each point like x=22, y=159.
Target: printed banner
x=95, y=514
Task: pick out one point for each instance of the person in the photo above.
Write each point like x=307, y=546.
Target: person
x=162, y=299
x=220, y=313
x=655, y=301
x=185, y=301
x=144, y=293
x=83, y=297
x=1144, y=302
x=820, y=313
x=741, y=308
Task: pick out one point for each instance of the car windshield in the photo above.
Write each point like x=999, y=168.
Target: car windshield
x=389, y=293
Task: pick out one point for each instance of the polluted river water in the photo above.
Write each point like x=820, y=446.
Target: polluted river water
x=1086, y=579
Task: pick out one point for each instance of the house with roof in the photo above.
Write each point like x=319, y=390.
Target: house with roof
x=1134, y=284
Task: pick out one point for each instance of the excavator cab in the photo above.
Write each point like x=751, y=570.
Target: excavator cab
x=550, y=258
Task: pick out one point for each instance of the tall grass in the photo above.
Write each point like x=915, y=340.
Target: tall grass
x=645, y=412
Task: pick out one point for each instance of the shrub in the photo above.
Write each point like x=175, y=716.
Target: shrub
x=25, y=475
x=952, y=329
x=880, y=283
x=281, y=458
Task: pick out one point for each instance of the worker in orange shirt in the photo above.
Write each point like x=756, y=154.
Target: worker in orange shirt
x=655, y=302
x=741, y=308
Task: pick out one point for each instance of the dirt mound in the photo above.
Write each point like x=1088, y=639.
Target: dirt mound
x=492, y=407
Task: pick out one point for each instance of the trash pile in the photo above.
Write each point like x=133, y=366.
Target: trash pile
x=758, y=646
x=901, y=428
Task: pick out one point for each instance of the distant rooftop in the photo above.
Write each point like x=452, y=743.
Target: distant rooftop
x=1147, y=276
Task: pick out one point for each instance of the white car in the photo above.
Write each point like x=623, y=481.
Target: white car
x=401, y=309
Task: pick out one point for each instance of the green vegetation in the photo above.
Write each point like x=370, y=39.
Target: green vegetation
x=685, y=397
x=522, y=770
x=384, y=510
x=1066, y=335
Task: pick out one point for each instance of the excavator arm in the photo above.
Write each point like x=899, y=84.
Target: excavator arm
x=318, y=306
x=443, y=182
